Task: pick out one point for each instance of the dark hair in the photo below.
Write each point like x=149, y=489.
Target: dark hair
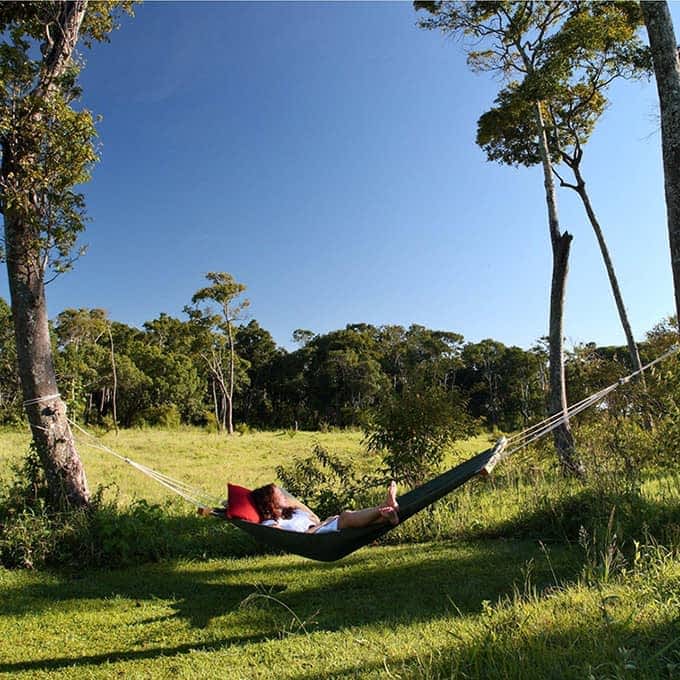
x=263, y=499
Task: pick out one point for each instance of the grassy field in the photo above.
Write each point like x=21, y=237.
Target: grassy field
x=488, y=585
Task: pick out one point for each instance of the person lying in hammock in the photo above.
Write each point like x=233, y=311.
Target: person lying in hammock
x=281, y=510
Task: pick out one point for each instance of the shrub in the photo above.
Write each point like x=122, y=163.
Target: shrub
x=104, y=534
x=324, y=482
x=166, y=416
x=243, y=428
x=412, y=430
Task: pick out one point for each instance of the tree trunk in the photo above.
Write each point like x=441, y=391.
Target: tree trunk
x=230, y=387
x=667, y=70
x=561, y=243
x=613, y=281
x=218, y=422
x=115, y=380
x=67, y=485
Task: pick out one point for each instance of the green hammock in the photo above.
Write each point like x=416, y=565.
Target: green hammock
x=328, y=547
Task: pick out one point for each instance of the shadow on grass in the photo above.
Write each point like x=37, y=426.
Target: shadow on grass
x=563, y=518
x=596, y=650
x=387, y=586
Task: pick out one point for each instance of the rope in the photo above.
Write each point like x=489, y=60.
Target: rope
x=193, y=495
x=531, y=434
x=37, y=400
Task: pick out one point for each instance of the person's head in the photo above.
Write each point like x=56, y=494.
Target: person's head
x=270, y=502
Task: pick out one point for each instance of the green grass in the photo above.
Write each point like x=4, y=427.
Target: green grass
x=491, y=609
x=478, y=596
x=203, y=459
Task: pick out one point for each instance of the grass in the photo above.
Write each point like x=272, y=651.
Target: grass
x=203, y=459
x=492, y=609
x=494, y=603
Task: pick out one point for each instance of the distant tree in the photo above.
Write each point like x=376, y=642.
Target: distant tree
x=483, y=361
x=257, y=348
x=10, y=400
x=302, y=337
x=664, y=47
x=419, y=351
x=220, y=354
x=47, y=150
x=343, y=374
x=83, y=368
x=522, y=388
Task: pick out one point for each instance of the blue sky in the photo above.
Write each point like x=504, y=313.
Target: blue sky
x=323, y=154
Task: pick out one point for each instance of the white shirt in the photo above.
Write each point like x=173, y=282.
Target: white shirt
x=299, y=521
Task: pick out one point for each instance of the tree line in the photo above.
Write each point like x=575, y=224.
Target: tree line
x=168, y=372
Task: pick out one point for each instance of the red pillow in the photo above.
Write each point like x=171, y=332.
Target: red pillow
x=240, y=504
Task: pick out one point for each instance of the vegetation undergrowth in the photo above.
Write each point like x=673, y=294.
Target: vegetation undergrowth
x=526, y=498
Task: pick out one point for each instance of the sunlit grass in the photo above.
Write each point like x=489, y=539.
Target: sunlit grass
x=479, y=610
x=500, y=580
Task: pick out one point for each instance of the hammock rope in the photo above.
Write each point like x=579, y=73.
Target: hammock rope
x=332, y=546
x=202, y=499
x=538, y=430
x=193, y=495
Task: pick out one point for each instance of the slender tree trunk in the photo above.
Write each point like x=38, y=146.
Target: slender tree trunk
x=230, y=387
x=664, y=48
x=218, y=422
x=115, y=380
x=46, y=411
x=561, y=243
x=609, y=265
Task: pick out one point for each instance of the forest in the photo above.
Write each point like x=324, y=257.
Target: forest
x=172, y=372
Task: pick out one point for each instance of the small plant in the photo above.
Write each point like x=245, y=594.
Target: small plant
x=603, y=558
x=243, y=429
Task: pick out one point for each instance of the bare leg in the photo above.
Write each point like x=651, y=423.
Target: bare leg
x=381, y=514
x=391, y=498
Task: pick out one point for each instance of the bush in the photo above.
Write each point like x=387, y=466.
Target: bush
x=166, y=416
x=412, y=430
x=104, y=534
x=243, y=428
x=324, y=482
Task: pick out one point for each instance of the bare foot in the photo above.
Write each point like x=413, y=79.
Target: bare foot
x=391, y=499
x=204, y=512
x=390, y=515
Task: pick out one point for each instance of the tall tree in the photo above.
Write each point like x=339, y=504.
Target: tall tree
x=515, y=34
x=225, y=292
x=666, y=60
x=602, y=44
x=47, y=150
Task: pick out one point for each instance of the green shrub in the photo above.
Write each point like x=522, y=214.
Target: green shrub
x=324, y=482
x=166, y=416
x=104, y=534
x=413, y=429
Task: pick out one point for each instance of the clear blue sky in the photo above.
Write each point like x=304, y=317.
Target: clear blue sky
x=323, y=154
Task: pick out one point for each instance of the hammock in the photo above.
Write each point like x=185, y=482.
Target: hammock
x=328, y=547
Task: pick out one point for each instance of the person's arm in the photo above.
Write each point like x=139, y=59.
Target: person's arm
x=295, y=503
